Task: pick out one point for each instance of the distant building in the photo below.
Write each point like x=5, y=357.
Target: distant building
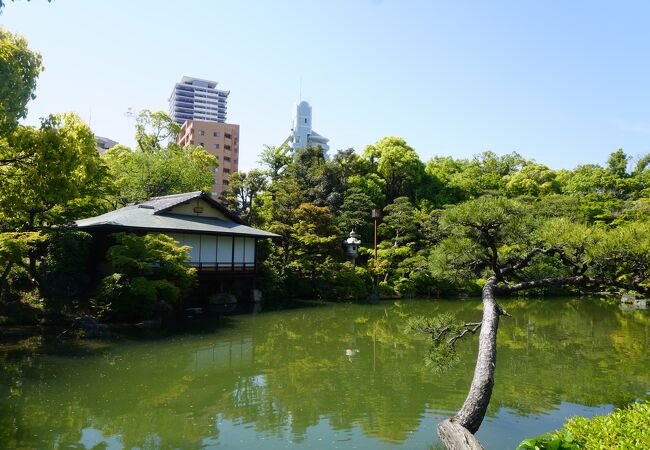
x=219, y=139
x=104, y=144
x=197, y=99
x=302, y=135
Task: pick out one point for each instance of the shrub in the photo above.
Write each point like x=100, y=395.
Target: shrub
x=623, y=428
x=64, y=277
x=151, y=273
x=348, y=283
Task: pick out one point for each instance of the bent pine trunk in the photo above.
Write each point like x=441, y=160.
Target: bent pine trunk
x=458, y=432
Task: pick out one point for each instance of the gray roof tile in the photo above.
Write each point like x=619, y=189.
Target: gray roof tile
x=151, y=215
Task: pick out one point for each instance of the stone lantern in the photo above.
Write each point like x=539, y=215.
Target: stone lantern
x=352, y=246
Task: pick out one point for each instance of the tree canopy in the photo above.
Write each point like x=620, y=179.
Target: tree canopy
x=63, y=178
x=19, y=69
x=158, y=166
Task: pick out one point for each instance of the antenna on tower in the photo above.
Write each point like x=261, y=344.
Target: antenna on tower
x=300, y=91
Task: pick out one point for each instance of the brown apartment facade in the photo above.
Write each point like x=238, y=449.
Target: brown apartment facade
x=219, y=139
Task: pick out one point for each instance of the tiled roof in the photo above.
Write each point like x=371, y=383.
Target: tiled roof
x=153, y=215
x=169, y=201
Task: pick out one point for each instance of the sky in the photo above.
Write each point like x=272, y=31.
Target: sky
x=561, y=82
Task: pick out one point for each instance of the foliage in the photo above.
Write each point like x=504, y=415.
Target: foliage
x=355, y=214
x=65, y=282
x=14, y=252
x=444, y=330
x=533, y=179
x=151, y=274
x=349, y=283
x=64, y=178
x=157, y=166
x=623, y=428
x=316, y=240
x=398, y=165
x=276, y=160
x=457, y=180
x=399, y=224
x=372, y=185
x=241, y=194
x=503, y=200
x=19, y=68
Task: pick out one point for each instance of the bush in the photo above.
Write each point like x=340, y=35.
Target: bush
x=151, y=273
x=349, y=284
x=623, y=428
x=65, y=279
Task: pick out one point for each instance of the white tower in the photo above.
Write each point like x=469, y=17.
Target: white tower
x=302, y=134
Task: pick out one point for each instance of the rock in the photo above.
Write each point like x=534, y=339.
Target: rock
x=87, y=327
x=156, y=323
x=191, y=313
x=256, y=295
x=628, y=298
x=222, y=303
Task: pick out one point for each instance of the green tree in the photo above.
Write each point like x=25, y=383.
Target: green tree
x=317, y=177
x=443, y=171
x=317, y=245
x=154, y=129
x=642, y=164
x=533, y=179
x=372, y=185
x=158, y=166
x=593, y=179
x=276, y=160
x=241, y=194
x=19, y=69
x=617, y=163
x=65, y=179
x=355, y=214
x=504, y=242
x=400, y=222
x=64, y=281
x=14, y=251
x=348, y=163
x=151, y=274
x=399, y=166
x=458, y=180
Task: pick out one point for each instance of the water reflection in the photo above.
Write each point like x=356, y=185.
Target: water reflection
x=341, y=375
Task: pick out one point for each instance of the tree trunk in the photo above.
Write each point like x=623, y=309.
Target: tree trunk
x=3, y=277
x=468, y=420
x=457, y=437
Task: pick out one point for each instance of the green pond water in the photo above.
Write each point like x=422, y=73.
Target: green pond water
x=322, y=376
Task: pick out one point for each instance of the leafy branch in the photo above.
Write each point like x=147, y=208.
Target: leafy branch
x=445, y=330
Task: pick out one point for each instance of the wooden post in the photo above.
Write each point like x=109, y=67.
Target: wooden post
x=232, y=257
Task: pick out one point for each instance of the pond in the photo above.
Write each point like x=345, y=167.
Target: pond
x=322, y=376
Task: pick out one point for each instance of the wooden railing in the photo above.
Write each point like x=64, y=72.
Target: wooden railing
x=225, y=267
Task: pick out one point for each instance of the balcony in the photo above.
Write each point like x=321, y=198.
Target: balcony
x=233, y=268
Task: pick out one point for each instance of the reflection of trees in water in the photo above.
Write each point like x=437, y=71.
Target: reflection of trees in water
x=285, y=372
x=577, y=351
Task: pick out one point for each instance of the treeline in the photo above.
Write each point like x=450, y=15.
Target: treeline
x=314, y=201
x=52, y=174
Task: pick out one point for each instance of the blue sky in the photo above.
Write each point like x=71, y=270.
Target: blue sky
x=561, y=82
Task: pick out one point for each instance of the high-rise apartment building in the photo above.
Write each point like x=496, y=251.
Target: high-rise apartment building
x=200, y=108
x=219, y=139
x=197, y=99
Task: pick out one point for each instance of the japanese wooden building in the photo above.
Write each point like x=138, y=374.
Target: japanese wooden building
x=222, y=247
